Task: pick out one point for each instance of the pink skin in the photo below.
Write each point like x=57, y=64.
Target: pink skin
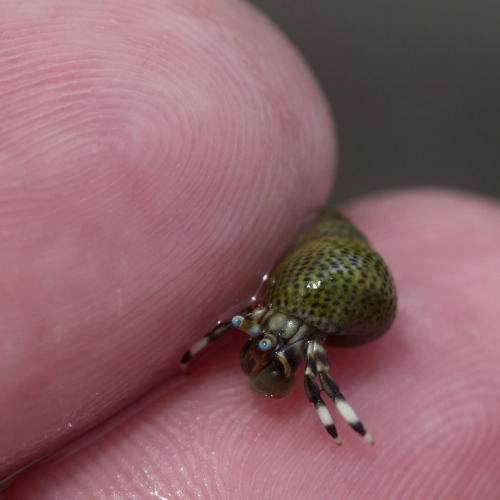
x=155, y=160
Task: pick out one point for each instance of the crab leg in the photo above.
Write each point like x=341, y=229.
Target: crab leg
x=314, y=396
x=317, y=356
x=217, y=332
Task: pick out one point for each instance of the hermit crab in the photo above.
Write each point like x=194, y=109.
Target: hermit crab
x=330, y=287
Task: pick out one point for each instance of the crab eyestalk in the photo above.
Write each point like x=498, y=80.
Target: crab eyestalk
x=246, y=325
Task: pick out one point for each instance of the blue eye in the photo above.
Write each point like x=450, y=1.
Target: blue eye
x=265, y=345
x=267, y=342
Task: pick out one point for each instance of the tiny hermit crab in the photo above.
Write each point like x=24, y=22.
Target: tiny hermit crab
x=331, y=286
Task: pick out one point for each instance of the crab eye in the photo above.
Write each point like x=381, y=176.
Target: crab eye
x=267, y=342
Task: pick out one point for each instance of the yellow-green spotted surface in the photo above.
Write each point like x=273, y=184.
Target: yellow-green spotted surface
x=332, y=279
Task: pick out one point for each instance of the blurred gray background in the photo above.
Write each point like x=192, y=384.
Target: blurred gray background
x=414, y=86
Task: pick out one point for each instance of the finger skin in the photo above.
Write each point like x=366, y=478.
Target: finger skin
x=427, y=391
x=155, y=160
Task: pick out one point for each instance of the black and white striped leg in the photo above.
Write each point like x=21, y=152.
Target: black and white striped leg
x=314, y=396
x=316, y=354
x=217, y=332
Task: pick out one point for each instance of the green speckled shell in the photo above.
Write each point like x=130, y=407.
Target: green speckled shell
x=332, y=279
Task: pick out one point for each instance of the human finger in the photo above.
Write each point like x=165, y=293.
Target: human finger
x=156, y=158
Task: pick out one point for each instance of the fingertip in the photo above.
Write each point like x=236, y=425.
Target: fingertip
x=175, y=154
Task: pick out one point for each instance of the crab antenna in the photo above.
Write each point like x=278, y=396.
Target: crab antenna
x=246, y=325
